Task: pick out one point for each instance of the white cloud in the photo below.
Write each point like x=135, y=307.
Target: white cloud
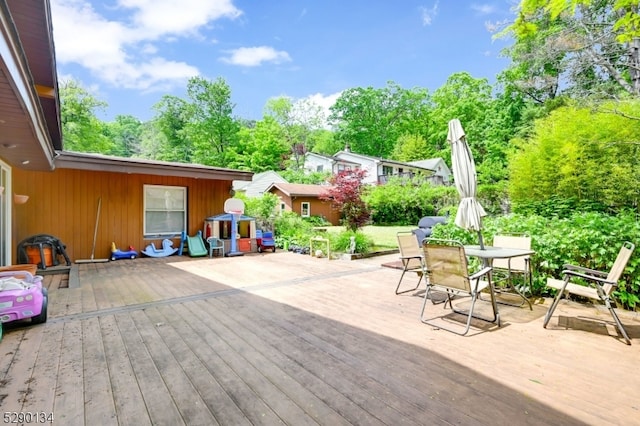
x=121, y=52
x=483, y=9
x=428, y=14
x=255, y=56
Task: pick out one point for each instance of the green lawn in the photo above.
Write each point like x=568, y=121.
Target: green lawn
x=382, y=236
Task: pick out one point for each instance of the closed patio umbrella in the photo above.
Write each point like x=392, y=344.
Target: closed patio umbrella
x=470, y=212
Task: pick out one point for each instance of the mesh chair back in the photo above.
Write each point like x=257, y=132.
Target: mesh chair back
x=409, y=248
x=518, y=264
x=447, y=265
x=618, y=266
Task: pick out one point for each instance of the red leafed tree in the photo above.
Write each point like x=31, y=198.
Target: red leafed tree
x=346, y=195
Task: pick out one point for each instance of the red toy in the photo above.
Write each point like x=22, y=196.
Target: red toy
x=264, y=240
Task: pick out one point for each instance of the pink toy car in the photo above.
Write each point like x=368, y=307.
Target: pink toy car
x=22, y=296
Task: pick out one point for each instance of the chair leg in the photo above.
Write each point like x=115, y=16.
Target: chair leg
x=469, y=314
x=554, y=304
x=420, y=274
x=617, y=321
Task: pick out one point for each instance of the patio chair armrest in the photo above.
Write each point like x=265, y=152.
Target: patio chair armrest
x=584, y=270
x=411, y=257
x=588, y=277
x=481, y=273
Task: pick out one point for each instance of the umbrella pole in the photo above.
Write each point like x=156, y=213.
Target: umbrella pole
x=480, y=240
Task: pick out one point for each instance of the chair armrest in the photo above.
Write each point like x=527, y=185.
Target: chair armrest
x=480, y=273
x=411, y=257
x=584, y=270
x=587, y=277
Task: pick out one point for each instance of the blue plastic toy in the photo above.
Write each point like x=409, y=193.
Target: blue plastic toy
x=116, y=253
x=166, y=250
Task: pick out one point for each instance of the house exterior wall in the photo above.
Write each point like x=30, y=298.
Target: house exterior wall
x=313, y=161
x=64, y=203
x=317, y=206
x=366, y=164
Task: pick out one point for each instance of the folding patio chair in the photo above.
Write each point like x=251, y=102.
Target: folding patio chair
x=446, y=269
x=411, y=258
x=599, y=285
x=504, y=270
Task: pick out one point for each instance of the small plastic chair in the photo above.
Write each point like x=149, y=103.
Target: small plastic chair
x=215, y=244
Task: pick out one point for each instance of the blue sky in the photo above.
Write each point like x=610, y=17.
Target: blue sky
x=129, y=53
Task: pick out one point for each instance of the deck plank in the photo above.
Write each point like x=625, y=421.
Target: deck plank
x=220, y=363
x=42, y=388
x=68, y=406
x=21, y=358
x=127, y=397
x=184, y=395
x=99, y=401
x=160, y=406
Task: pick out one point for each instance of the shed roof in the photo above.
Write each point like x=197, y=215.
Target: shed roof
x=300, y=189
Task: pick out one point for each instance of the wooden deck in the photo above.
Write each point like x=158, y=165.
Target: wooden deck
x=282, y=338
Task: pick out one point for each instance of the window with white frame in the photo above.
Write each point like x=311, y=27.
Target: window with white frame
x=283, y=207
x=165, y=210
x=305, y=209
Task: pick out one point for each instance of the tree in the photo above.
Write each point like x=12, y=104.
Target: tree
x=591, y=45
x=171, y=118
x=125, y=133
x=83, y=131
x=576, y=153
x=346, y=195
x=370, y=120
x=210, y=124
x=260, y=149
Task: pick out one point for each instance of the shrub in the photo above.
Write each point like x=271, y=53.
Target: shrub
x=342, y=242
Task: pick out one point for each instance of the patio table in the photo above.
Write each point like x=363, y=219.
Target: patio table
x=488, y=253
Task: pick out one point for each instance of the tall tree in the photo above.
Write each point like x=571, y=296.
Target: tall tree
x=298, y=121
x=592, y=46
x=82, y=130
x=125, y=132
x=172, y=115
x=211, y=125
x=370, y=121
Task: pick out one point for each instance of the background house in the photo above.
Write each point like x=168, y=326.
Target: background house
x=379, y=170
x=441, y=173
x=258, y=184
x=304, y=200
x=141, y=201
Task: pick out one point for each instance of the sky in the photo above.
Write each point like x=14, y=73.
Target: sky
x=130, y=53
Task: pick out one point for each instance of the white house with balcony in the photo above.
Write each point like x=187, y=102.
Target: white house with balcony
x=379, y=170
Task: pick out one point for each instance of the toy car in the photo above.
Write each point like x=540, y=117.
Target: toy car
x=116, y=253
x=264, y=240
x=22, y=296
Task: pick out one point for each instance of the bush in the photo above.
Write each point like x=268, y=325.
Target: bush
x=402, y=202
x=292, y=229
x=342, y=242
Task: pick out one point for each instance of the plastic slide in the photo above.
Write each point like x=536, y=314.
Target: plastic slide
x=196, y=245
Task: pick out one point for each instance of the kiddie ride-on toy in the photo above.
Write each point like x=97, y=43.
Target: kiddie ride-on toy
x=264, y=240
x=116, y=253
x=22, y=296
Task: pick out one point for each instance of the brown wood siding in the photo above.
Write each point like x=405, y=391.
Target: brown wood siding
x=64, y=203
x=318, y=207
